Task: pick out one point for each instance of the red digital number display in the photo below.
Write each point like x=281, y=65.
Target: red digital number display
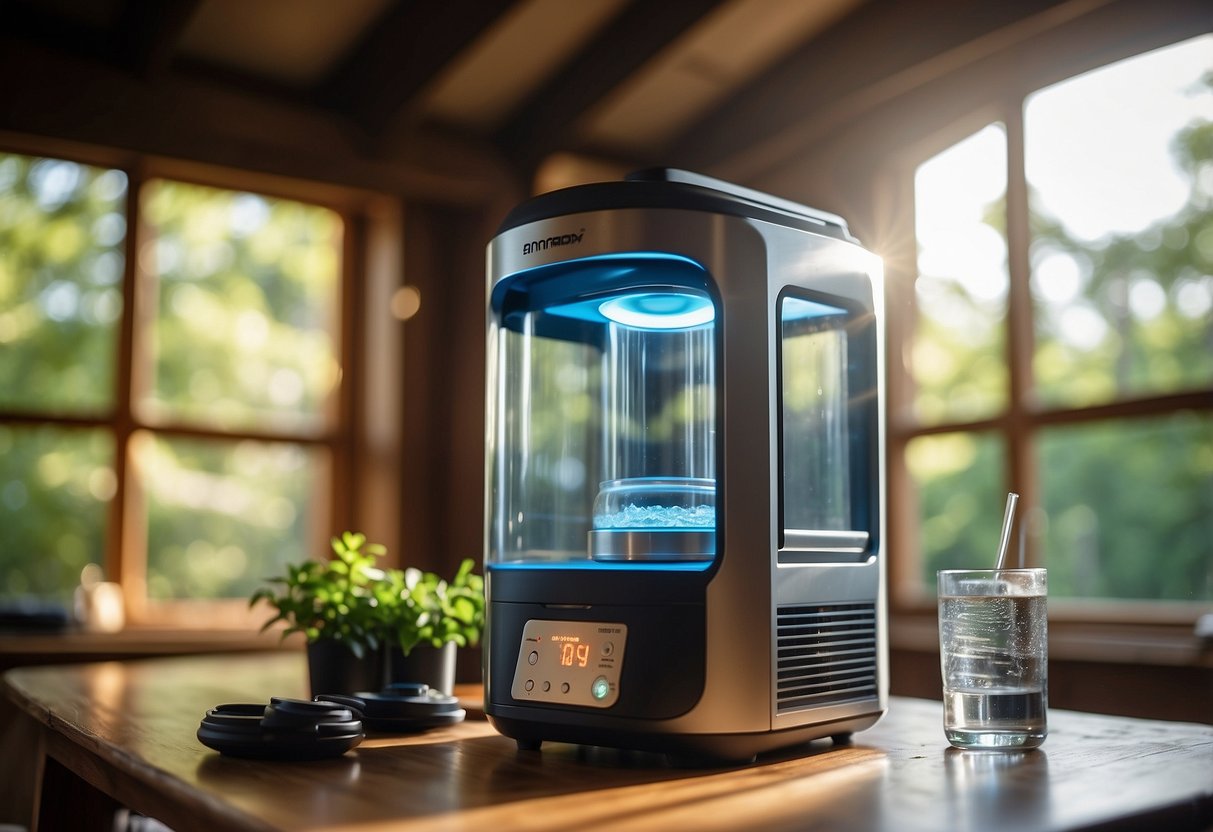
x=574, y=653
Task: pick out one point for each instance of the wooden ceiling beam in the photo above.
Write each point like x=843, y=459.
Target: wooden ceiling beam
x=35, y=24
x=141, y=38
x=402, y=52
x=546, y=121
x=147, y=33
x=184, y=117
x=882, y=39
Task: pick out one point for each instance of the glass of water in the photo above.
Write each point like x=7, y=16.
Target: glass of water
x=993, y=651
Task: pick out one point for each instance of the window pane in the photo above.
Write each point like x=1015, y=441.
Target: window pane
x=62, y=227
x=957, y=358
x=55, y=487
x=960, y=486
x=223, y=516
x=1130, y=508
x=247, y=296
x=1120, y=170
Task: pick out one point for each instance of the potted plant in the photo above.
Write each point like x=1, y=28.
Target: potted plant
x=335, y=604
x=426, y=619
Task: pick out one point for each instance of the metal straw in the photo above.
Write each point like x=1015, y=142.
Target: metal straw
x=1008, y=518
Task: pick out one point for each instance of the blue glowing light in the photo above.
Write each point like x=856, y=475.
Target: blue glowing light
x=604, y=566
x=795, y=308
x=659, y=310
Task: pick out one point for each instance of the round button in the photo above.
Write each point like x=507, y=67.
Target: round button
x=547, y=686
x=600, y=688
x=608, y=649
x=564, y=687
x=534, y=657
x=530, y=684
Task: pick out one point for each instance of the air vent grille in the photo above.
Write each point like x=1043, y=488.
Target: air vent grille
x=826, y=654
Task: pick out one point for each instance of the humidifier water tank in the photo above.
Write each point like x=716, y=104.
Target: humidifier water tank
x=684, y=542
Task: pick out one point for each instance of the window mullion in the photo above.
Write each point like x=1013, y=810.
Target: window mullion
x=345, y=473
x=1020, y=467
x=117, y=545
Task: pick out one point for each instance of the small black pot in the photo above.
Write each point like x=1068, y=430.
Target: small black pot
x=333, y=668
x=425, y=663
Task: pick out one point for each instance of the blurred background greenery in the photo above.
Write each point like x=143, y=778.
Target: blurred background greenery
x=1119, y=313
x=238, y=296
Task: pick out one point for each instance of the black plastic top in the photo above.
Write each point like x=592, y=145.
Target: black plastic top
x=674, y=188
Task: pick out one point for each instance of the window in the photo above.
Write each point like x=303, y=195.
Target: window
x=1062, y=342
x=171, y=370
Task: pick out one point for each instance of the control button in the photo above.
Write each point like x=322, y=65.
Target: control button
x=608, y=649
x=530, y=684
x=600, y=688
x=534, y=657
x=547, y=686
x=564, y=687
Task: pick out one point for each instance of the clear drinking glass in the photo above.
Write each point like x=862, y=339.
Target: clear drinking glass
x=993, y=650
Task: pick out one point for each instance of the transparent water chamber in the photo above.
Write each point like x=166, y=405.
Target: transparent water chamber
x=826, y=362
x=602, y=424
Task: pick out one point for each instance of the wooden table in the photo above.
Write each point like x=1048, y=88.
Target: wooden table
x=124, y=731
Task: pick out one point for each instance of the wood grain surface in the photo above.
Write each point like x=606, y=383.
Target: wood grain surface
x=128, y=729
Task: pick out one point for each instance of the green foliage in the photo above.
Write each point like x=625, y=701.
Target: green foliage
x=1138, y=353
x=1130, y=508
x=62, y=233
x=1130, y=503
x=222, y=514
x=239, y=312
x=350, y=600
x=244, y=307
x=421, y=608
x=51, y=472
x=334, y=599
x=1126, y=505
x=62, y=229
x=960, y=483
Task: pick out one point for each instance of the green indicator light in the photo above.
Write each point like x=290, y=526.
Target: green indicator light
x=600, y=688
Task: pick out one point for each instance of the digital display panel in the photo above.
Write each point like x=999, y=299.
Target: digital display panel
x=570, y=662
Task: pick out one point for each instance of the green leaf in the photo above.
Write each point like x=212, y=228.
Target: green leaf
x=349, y=599
x=464, y=610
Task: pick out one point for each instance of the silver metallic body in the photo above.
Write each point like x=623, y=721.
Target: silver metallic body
x=751, y=261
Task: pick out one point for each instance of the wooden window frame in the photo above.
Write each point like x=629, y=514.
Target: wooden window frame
x=371, y=234
x=1021, y=419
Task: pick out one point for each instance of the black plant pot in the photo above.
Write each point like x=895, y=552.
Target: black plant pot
x=425, y=663
x=333, y=668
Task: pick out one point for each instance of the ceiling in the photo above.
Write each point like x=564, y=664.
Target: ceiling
x=620, y=79
x=733, y=88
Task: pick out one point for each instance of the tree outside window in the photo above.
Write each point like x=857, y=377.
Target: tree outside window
x=216, y=429
x=1112, y=435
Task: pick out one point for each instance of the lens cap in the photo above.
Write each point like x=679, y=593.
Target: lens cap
x=324, y=727
x=286, y=729
x=401, y=708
